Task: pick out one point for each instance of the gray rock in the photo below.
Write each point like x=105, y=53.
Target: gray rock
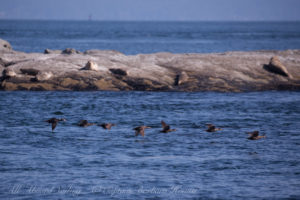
x=226, y=72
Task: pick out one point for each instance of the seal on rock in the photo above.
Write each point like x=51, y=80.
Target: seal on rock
x=70, y=51
x=118, y=71
x=4, y=45
x=29, y=71
x=50, y=51
x=43, y=76
x=181, y=78
x=8, y=72
x=275, y=66
x=90, y=66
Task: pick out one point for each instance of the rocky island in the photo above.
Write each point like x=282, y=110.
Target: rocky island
x=71, y=69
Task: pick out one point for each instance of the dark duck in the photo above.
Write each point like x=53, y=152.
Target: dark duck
x=140, y=130
x=54, y=122
x=85, y=123
x=212, y=128
x=107, y=126
x=166, y=128
x=255, y=135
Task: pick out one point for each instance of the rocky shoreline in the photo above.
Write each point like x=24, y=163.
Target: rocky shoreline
x=73, y=70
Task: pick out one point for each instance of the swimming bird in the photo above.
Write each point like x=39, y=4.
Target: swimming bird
x=140, y=130
x=107, y=125
x=255, y=135
x=212, y=128
x=85, y=123
x=166, y=127
x=54, y=122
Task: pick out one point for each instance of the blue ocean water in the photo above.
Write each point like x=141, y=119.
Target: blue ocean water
x=150, y=37
x=92, y=163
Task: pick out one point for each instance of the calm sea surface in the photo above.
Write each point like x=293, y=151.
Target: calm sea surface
x=92, y=163
x=149, y=37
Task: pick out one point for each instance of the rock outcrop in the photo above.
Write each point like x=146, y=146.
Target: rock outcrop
x=8, y=73
x=112, y=70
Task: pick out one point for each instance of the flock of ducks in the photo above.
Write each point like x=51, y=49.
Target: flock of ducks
x=140, y=130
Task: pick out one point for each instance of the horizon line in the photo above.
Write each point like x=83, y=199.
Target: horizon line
x=110, y=20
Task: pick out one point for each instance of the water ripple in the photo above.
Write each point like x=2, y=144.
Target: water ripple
x=116, y=164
